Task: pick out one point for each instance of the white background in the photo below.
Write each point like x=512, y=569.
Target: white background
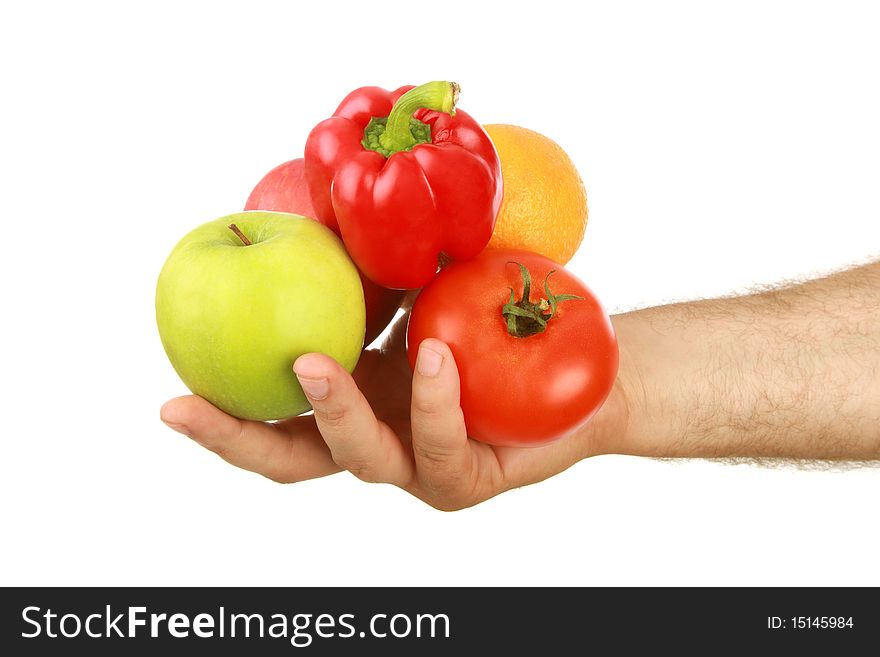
x=722, y=146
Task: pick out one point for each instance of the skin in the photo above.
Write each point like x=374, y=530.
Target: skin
x=789, y=373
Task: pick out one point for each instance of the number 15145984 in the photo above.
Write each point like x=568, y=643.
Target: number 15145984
x=810, y=623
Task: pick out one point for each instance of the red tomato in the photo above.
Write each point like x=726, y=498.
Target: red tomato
x=284, y=189
x=519, y=391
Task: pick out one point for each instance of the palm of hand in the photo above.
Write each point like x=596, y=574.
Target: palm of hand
x=385, y=379
x=383, y=424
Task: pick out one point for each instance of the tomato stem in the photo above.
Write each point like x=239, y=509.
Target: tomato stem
x=525, y=318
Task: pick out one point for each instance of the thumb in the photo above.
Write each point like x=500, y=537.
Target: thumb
x=441, y=449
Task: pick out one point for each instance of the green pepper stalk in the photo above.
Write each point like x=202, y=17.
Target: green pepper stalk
x=399, y=131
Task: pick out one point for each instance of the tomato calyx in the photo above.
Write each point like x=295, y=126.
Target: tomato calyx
x=525, y=318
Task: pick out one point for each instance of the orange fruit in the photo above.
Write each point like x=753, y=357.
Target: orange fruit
x=545, y=204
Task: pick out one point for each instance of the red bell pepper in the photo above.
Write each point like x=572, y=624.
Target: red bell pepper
x=403, y=178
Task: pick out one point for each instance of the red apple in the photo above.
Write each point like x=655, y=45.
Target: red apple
x=284, y=189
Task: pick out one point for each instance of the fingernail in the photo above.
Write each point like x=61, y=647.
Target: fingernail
x=428, y=362
x=316, y=389
x=179, y=428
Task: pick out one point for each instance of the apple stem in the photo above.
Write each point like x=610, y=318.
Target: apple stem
x=235, y=229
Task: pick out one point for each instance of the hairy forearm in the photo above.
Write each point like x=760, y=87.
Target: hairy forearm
x=793, y=373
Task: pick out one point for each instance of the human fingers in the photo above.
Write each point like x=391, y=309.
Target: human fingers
x=358, y=441
x=445, y=461
x=296, y=454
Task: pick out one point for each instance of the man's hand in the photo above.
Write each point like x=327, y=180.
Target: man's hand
x=790, y=373
x=385, y=425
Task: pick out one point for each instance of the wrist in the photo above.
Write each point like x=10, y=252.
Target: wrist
x=637, y=417
x=610, y=430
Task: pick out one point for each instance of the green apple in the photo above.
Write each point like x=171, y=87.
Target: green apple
x=240, y=298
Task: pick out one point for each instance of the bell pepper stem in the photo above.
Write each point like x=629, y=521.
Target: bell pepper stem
x=439, y=96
